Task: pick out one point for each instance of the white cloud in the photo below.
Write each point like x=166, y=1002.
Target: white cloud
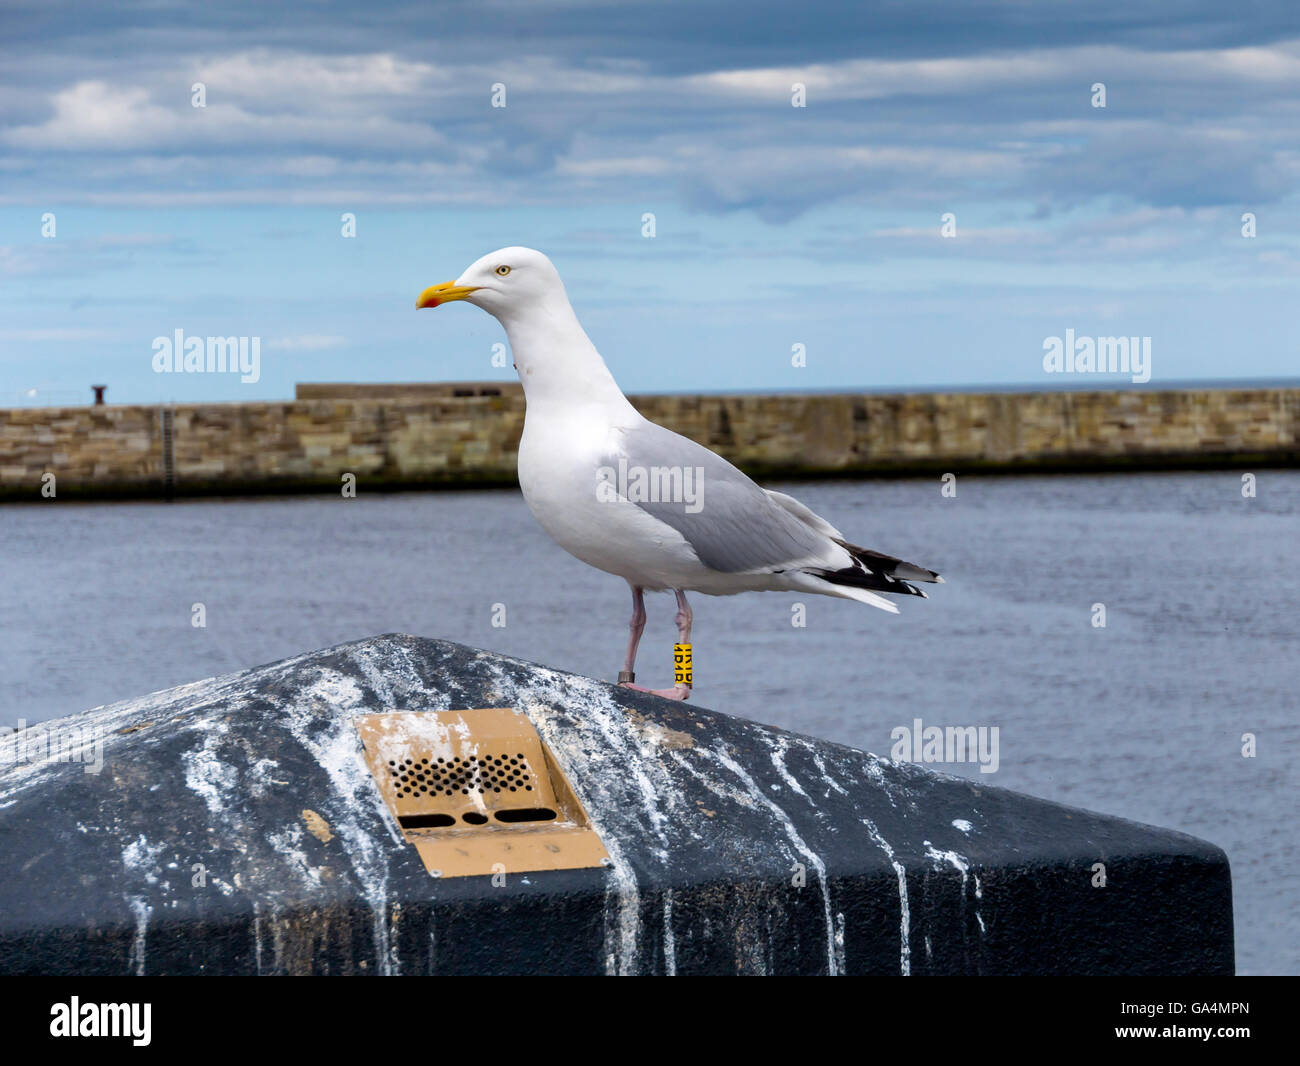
x=875, y=78
x=614, y=166
x=305, y=343
x=289, y=78
x=29, y=336
x=291, y=127
x=93, y=115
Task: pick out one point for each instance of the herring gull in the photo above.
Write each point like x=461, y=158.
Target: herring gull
x=637, y=500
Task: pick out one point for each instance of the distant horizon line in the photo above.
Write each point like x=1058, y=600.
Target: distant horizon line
x=1057, y=385
x=1082, y=384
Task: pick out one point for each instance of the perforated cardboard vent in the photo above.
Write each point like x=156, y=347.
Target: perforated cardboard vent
x=477, y=792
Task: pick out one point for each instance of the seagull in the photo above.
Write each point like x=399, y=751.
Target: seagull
x=636, y=500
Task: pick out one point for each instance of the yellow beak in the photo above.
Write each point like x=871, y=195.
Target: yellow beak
x=443, y=294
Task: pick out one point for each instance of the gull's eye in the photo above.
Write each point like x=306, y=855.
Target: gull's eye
x=503, y=270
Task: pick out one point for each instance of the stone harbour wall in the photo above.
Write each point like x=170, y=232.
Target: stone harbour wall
x=425, y=436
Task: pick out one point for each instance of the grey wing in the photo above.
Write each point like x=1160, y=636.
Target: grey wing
x=732, y=524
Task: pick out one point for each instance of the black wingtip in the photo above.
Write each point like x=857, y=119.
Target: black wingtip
x=890, y=566
x=863, y=577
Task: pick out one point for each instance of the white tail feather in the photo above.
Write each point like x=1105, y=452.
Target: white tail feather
x=822, y=587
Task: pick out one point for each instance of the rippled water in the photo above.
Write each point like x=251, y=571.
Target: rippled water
x=1143, y=718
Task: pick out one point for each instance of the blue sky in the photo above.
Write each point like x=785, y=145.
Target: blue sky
x=775, y=225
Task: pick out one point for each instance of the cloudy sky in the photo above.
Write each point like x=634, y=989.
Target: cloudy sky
x=774, y=225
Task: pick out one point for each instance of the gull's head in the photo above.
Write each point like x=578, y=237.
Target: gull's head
x=503, y=283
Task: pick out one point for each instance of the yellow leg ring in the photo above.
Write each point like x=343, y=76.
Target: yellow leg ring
x=682, y=664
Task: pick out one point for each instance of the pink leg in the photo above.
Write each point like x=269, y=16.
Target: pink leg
x=635, y=627
x=684, y=619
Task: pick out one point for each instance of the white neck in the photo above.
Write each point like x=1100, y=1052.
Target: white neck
x=557, y=363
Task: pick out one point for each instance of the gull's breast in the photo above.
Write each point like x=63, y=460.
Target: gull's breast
x=560, y=473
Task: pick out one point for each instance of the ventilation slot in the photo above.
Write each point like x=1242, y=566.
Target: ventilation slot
x=425, y=821
x=527, y=814
x=477, y=790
